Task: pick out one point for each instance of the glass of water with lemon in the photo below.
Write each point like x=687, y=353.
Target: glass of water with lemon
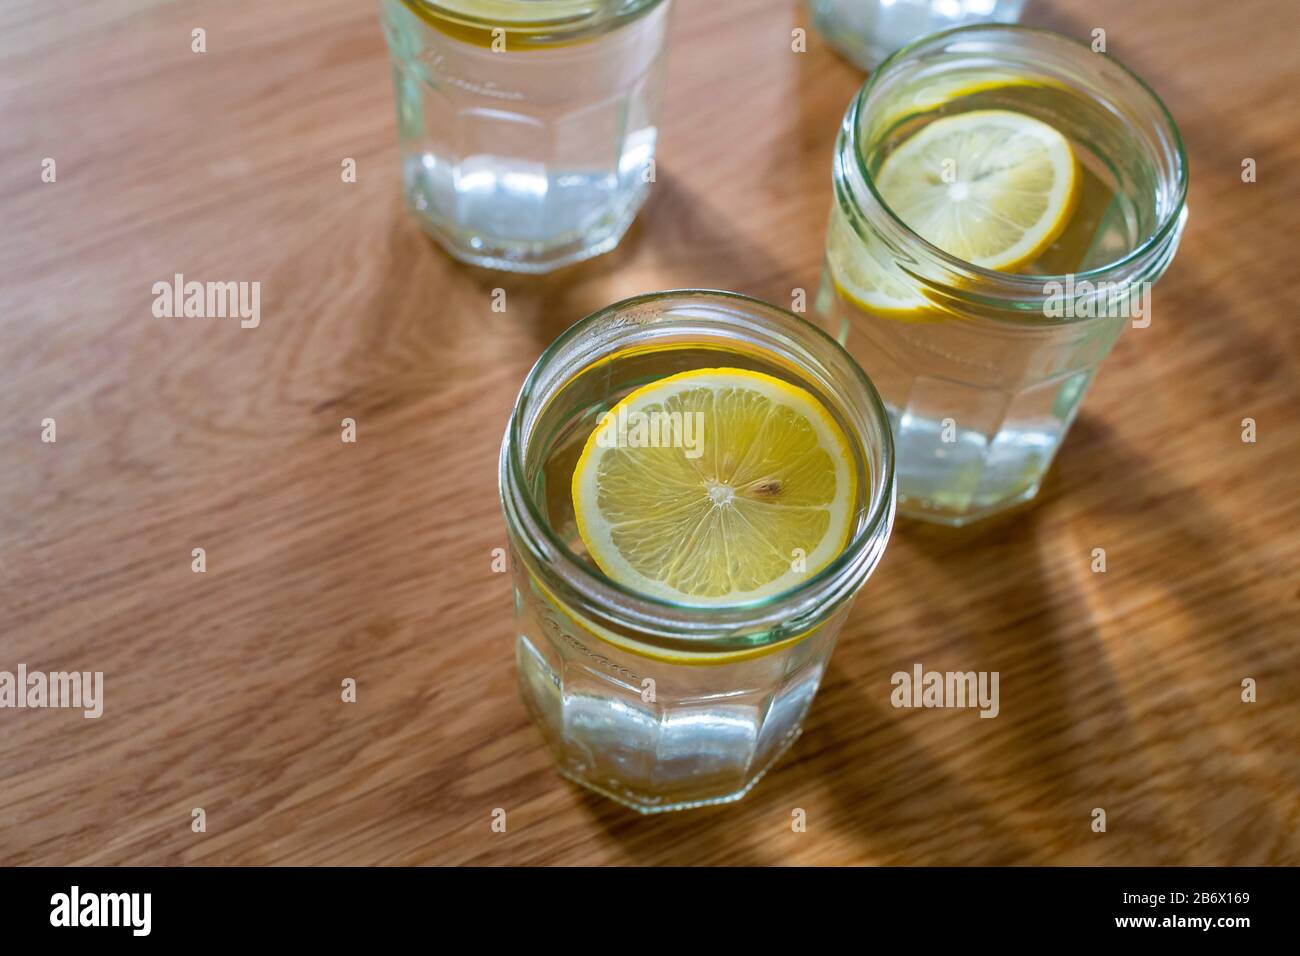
x=696, y=485
x=528, y=127
x=1004, y=199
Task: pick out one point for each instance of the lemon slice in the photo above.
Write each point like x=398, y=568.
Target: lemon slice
x=869, y=278
x=993, y=187
x=747, y=497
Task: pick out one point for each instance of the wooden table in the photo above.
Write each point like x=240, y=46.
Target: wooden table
x=373, y=560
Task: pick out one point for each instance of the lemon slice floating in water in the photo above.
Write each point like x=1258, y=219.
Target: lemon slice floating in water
x=751, y=495
x=992, y=187
x=867, y=275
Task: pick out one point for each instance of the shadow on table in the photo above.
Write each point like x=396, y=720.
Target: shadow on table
x=908, y=782
x=1068, y=738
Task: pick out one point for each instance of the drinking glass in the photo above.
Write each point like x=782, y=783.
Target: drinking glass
x=657, y=704
x=527, y=127
x=983, y=371
x=867, y=31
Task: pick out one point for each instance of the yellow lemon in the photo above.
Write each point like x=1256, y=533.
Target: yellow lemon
x=992, y=187
x=716, y=486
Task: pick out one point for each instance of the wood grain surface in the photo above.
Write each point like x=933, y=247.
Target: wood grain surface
x=372, y=560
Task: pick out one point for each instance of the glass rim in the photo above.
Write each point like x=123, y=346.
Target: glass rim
x=569, y=19
x=1016, y=283
x=600, y=586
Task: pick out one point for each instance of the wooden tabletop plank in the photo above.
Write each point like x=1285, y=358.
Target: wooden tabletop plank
x=373, y=560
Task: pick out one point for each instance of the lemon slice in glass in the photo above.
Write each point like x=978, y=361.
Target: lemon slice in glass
x=867, y=276
x=713, y=487
x=992, y=187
